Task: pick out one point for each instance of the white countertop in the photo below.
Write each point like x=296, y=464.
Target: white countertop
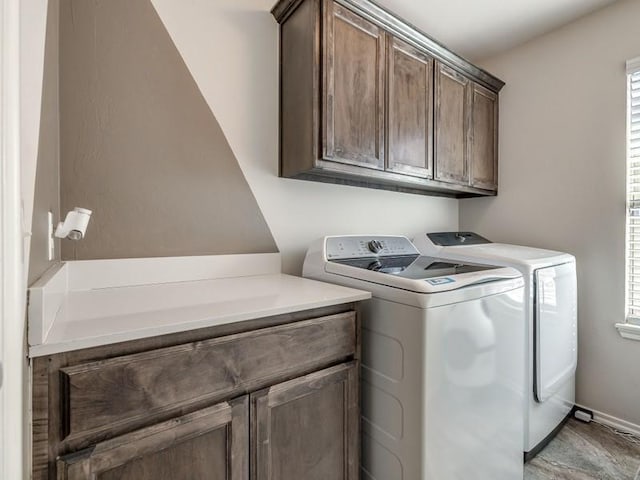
x=102, y=316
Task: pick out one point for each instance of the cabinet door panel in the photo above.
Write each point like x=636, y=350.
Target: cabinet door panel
x=308, y=427
x=452, y=126
x=210, y=444
x=484, y=139
x=353, y=90
x=410, y=123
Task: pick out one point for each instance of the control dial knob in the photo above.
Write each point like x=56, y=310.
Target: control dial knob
x=375, y=246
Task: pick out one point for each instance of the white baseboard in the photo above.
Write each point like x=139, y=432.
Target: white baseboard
x=613, y=422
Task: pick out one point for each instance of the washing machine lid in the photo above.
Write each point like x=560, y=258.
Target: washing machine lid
x=472, y=248
x=397, y=263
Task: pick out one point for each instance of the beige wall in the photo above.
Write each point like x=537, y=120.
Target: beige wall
x=562, y=182
x=231, y=49
x=140, y=147
x=47, y=187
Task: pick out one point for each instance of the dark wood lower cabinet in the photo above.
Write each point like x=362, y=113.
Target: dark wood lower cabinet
x=210, y=444
x=273, y=398
x=307, y=428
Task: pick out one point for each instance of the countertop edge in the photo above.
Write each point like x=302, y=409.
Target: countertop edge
x=350, y=295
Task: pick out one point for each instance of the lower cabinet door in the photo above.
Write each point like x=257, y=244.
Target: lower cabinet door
x=208, y=444
x=307, y=428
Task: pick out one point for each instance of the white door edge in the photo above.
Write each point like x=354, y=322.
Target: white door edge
x=12, y=283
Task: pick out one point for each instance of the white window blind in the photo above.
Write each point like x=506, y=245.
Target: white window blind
x=633, y=191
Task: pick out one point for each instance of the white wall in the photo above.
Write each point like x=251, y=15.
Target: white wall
x=562, y=182
x=31, y=34
x=231, y=50
x=33, y=27
x=12, y=298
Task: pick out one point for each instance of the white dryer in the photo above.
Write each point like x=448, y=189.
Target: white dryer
x=551, y=313
x=442, y=363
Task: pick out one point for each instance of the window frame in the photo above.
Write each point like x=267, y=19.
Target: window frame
x=631, y=327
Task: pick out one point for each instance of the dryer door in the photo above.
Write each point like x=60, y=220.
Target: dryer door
x=555, y=310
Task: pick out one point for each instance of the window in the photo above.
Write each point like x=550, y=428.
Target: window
x=631, y=329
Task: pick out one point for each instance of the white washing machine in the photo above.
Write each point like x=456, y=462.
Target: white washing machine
x=442, y=363
x=551, y=313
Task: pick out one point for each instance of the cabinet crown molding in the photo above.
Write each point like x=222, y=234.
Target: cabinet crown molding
x=404, y=30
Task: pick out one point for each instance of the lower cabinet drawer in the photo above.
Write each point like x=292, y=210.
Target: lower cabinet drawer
x=100, y=395
x=210, y=443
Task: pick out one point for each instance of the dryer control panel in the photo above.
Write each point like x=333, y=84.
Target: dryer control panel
x=340, y=248
x=450, y=239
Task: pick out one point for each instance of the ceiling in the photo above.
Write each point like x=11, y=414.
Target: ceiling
x=478, y=29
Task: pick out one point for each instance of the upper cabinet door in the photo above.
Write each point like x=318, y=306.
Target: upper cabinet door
x=410, y=116
x=353, y=93
x=484, y=139
x=210, y=444
x=307, y=428
x=453, y=101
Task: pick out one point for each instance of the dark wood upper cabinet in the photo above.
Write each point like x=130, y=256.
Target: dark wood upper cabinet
x=410, y=120
x=452, y=120
x=307, y=428
x=368, y=100
x=353, y=92
x=483, y=152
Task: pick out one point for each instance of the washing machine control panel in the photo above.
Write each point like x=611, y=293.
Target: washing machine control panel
x=339, y=248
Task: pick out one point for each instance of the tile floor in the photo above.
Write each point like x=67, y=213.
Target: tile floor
x=584, y=451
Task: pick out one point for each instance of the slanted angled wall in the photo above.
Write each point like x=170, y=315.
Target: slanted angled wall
x=140, y=146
